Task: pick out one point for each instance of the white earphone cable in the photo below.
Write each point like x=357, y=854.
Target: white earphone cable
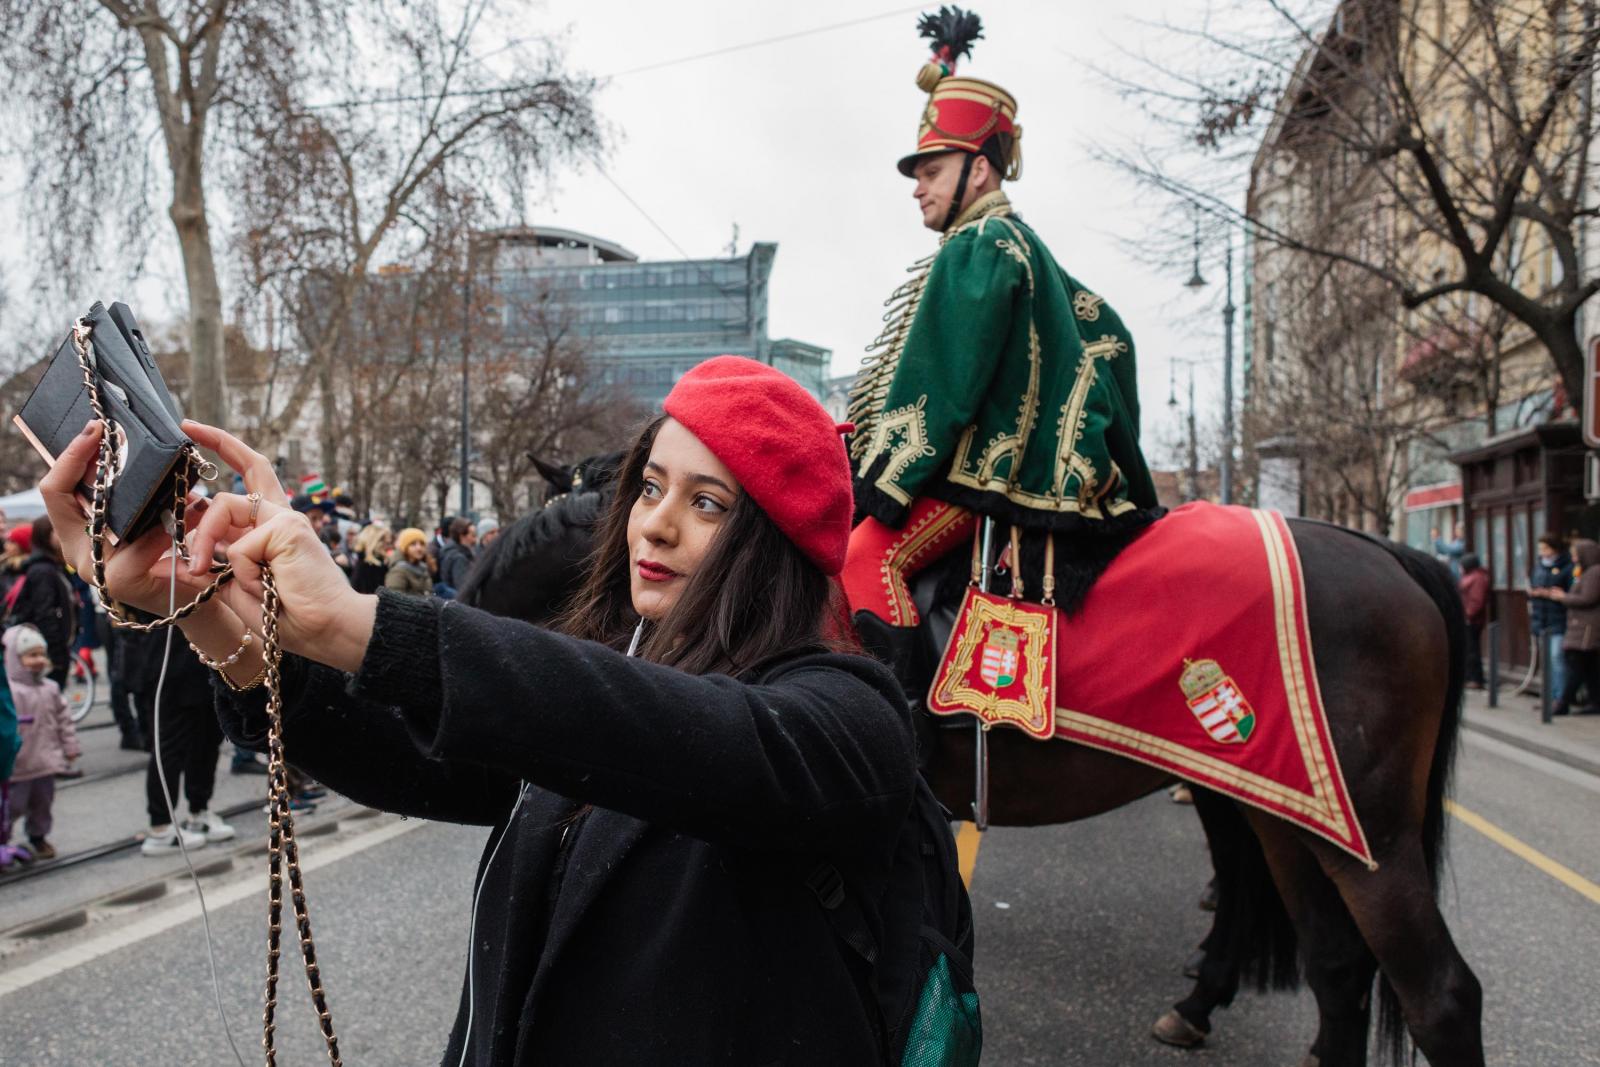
x=472, y=930
x=166, y=794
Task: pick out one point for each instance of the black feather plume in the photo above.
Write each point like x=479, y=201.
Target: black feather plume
x=952, y=28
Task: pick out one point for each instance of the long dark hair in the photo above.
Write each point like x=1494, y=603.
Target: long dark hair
x=753, y=598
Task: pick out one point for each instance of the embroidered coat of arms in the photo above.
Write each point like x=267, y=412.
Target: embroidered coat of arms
x=1217, y=703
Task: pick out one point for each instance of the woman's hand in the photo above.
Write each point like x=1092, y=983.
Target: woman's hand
x=138, y=572
x=320, y=616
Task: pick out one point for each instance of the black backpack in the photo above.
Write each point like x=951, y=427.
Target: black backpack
x=920, y=969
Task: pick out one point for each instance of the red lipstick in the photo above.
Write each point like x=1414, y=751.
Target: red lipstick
x=651, y=571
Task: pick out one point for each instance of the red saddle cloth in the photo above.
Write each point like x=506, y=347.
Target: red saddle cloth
x=1192, y=654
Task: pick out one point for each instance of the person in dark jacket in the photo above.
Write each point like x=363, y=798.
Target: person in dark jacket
x=1581, y=643
x=1475, y=602
x=186, y=747
x=457, y=556
x=641, y=897
x=1547, y=619
x=46, y=599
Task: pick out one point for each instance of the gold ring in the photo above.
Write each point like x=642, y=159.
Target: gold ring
x=255, y=505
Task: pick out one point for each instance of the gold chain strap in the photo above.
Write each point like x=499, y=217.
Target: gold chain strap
x=281, y=846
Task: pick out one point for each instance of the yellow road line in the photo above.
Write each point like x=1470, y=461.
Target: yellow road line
x=1563, y=874
x=967, y=839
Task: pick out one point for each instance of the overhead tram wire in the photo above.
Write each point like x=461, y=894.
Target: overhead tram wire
x=705, y=276
x=413, y=98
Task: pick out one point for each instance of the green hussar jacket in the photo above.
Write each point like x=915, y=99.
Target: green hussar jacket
x=1003, y=385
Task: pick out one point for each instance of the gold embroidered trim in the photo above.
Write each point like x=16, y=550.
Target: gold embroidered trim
x=909, y=423
x=987, y=205
x=905, y=552
x=1086, y=305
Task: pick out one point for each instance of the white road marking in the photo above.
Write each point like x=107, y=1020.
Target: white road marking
x=216, y=899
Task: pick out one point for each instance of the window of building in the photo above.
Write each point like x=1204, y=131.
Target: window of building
x=613, y=314
x=1519, y=549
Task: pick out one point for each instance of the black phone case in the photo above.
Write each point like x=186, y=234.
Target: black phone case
x=135, y=399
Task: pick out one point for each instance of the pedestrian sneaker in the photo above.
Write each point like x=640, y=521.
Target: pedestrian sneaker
x=160, y=840
x=42, y=849
x=210, y=824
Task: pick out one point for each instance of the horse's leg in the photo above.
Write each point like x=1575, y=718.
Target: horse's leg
x=1395, y=909
x=1390, y=643
x=1337, y=963
x=1188, y=1022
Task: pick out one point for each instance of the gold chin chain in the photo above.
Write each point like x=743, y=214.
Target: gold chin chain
x=281, y=845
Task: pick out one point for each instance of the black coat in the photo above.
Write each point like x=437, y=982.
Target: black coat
x=188, y=681
x=668, y=923
x=368, y=577
x=48, y=602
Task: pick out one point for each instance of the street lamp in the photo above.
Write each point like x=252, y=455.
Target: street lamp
x=1172, y=402
x=1195, y=281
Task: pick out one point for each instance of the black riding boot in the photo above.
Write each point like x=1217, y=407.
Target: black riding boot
x=896, y=646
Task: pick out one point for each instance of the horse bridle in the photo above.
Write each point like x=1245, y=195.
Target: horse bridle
x=281, y=847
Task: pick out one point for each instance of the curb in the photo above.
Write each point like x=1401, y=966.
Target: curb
x=1549, y=751
x=72, y=859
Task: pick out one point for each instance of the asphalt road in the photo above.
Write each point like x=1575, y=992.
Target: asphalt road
x=1082, y=931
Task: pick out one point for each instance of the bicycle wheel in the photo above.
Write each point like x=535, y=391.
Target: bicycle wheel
x=79, y=692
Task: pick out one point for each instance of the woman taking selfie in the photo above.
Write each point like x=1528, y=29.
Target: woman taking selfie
x=641, y=898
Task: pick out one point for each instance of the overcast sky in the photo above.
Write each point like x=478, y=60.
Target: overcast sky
x=795, y=141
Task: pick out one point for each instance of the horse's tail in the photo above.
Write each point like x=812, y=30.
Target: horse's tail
x=1436, y=580
x=1252, y=928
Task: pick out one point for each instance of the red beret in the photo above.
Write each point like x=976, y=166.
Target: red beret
x=21, y=536
x=778, y=441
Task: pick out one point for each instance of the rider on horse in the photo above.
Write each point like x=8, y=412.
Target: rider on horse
x=1001, y=387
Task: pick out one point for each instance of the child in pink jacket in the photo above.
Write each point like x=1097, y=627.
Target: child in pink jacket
x=49, y=740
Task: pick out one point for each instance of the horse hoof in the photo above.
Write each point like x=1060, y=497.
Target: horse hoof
x=1208, y=899
x=1174, y=1029
x=1192, y=965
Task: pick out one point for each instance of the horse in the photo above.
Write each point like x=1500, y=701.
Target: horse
x=530, y=570
x=1391, y=645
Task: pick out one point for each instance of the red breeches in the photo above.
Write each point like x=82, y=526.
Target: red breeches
x=882, y=560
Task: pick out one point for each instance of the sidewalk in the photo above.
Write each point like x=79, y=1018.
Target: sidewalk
x=1571, y=739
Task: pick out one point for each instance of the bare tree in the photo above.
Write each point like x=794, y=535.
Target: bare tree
x=1464, y=128
x=328, y=193
x=539, y=393
x=223, y=84
x=96, y=80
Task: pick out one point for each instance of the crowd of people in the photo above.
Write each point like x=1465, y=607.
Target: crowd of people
x=51, y=616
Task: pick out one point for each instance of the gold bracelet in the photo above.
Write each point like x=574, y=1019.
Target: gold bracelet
x=218, y=664
x=246, y=687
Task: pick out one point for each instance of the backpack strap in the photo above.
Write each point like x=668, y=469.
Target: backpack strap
x=849, y=924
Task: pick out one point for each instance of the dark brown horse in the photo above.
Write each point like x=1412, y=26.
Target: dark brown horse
x=1390, y=643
